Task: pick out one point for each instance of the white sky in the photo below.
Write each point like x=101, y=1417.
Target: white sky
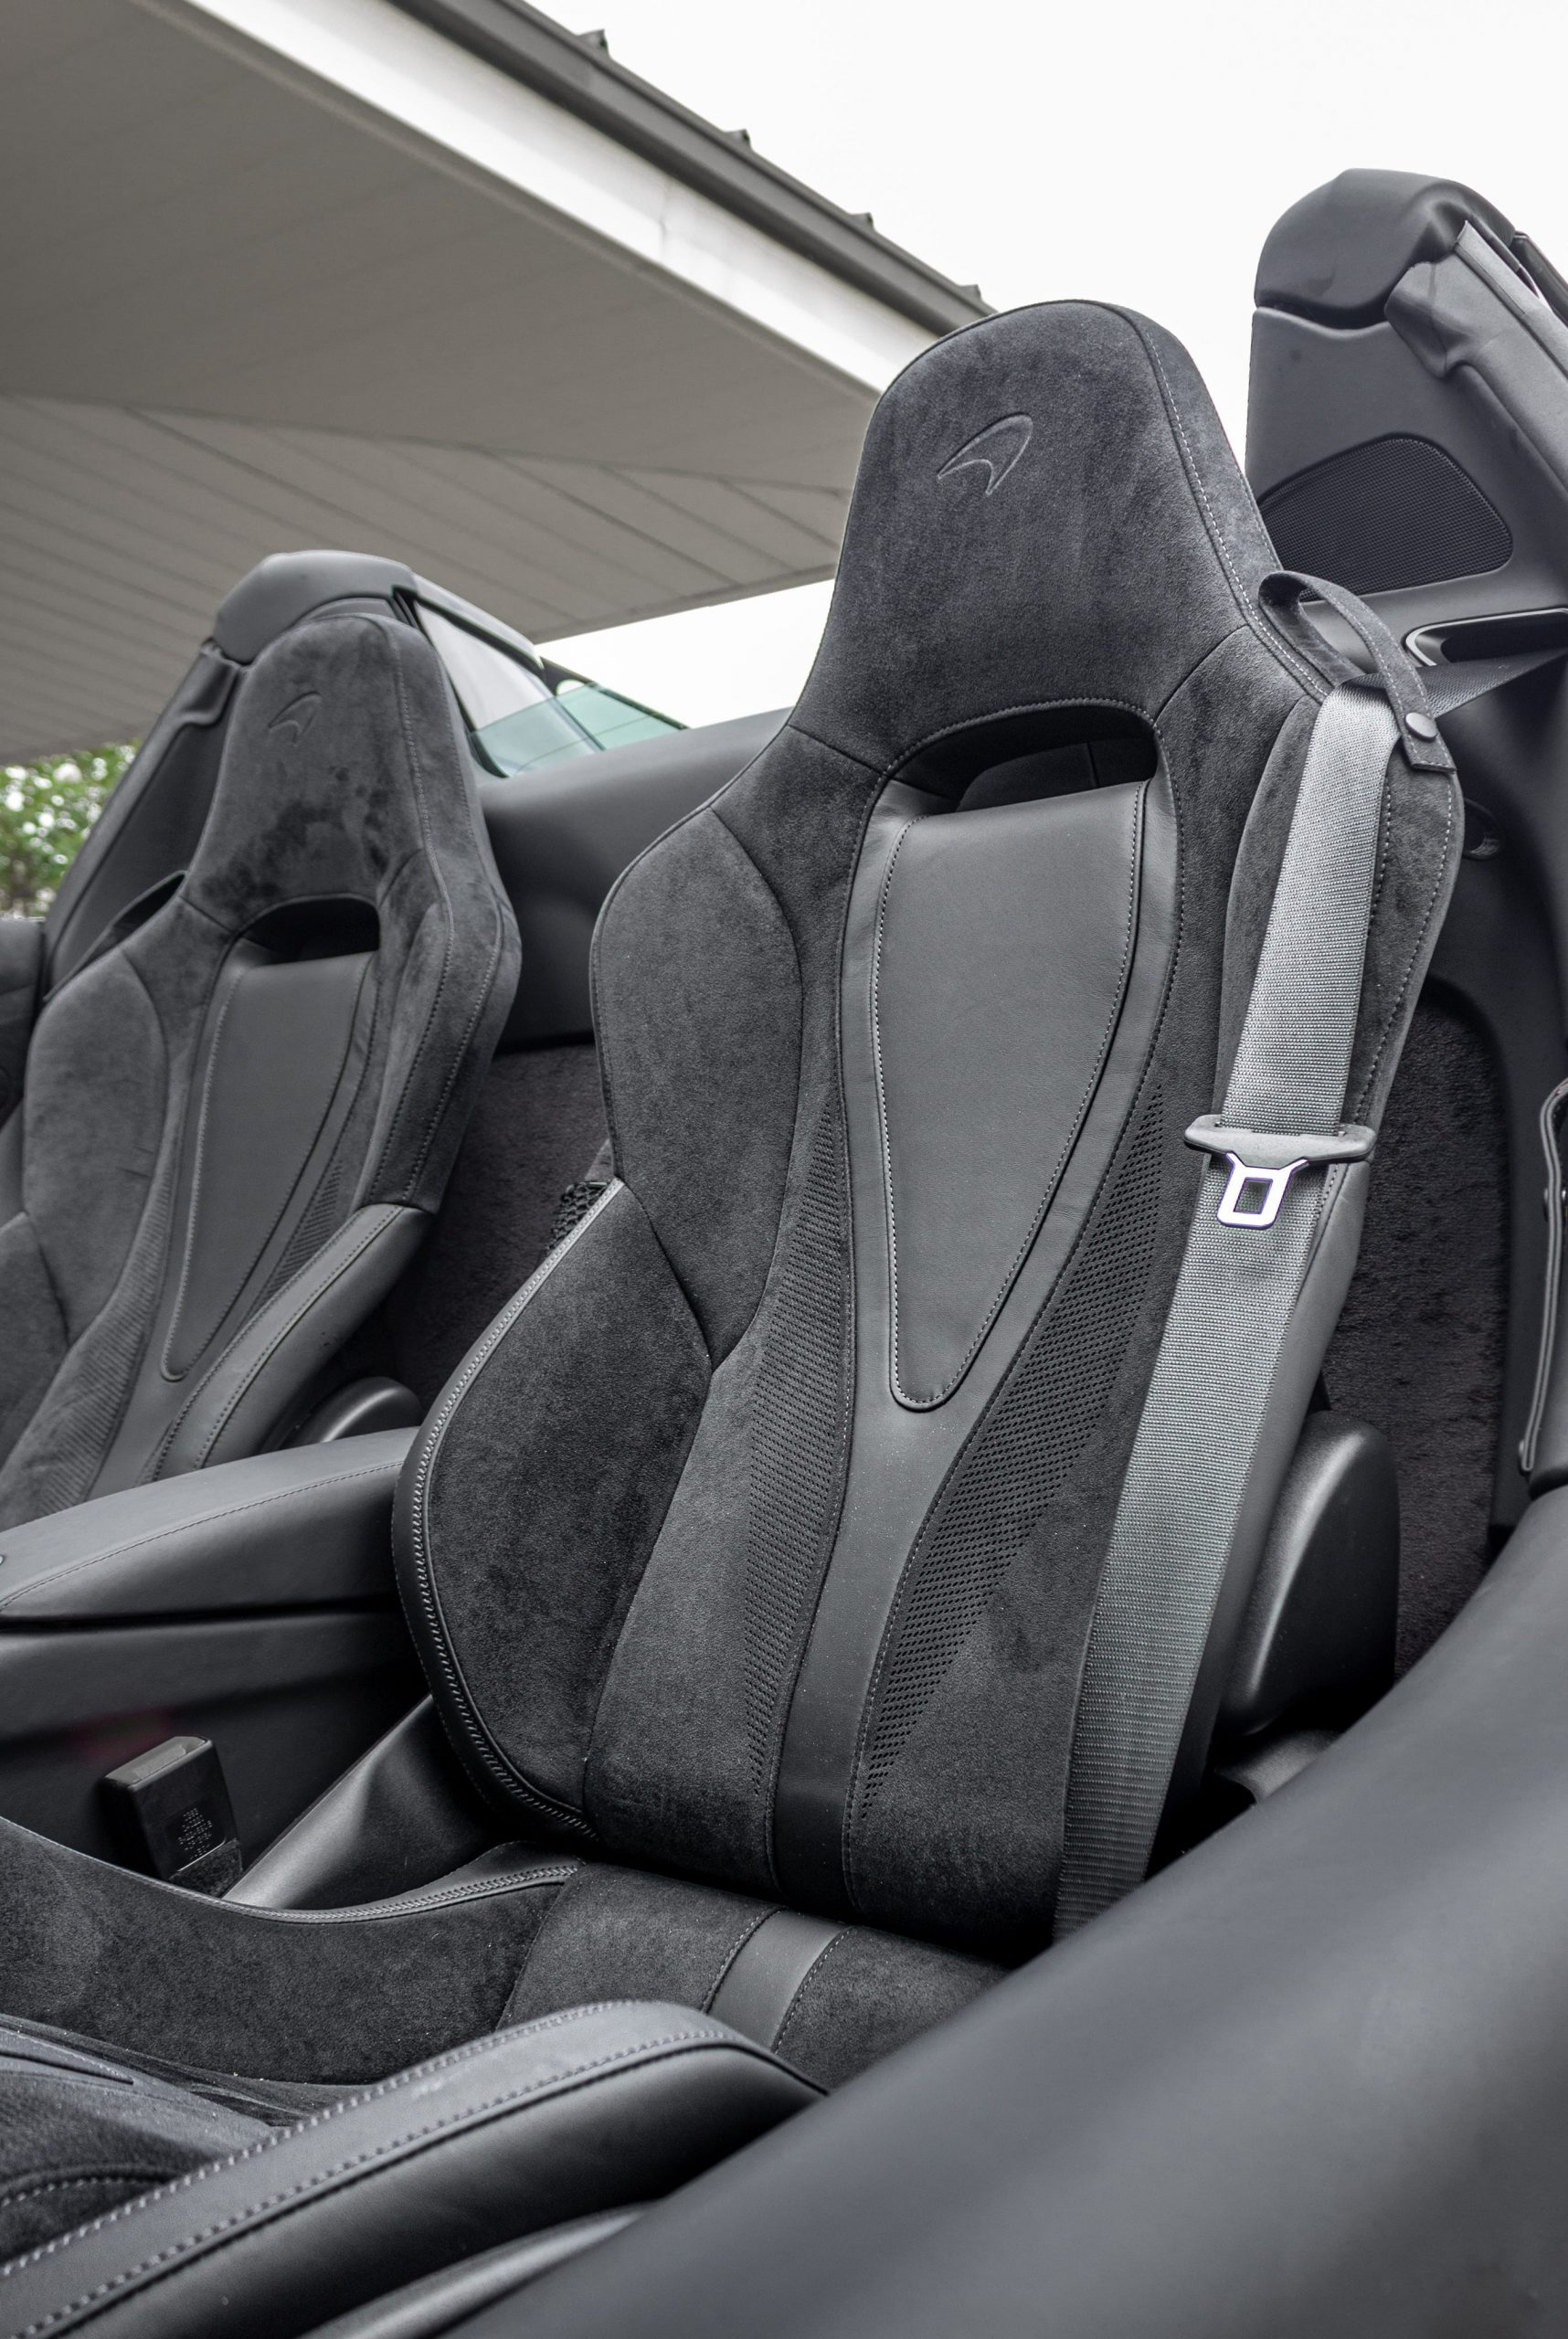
x=1125, y=151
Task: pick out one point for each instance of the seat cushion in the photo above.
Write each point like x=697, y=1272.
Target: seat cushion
x=199, y=2216
x=829, y=1998
x=289, y=2169
x=81, y=2134
x=239, y=1117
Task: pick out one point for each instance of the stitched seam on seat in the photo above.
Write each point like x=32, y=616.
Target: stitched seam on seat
x=800, y=1148
x=784, y=921
x=1197, y=666
x=789, y=724
x=773, y=895
x=720, y=1977
x=169, y=1141
x=881, y=1108
x=552, y=1912
x=828, y=1949
x=1286, y=656
x=951, y=1475
x=141, y=2177
x=229, y=1000
x=433, y=862
x=185, y=1527
x=1107, y=1038
x=907, y=756
x=459, y=1061
x=314, y=2120
x=414, y=1903
x=391, y=1210
x=341, y=1103
x=248, y=2218
x=424, y=1459
x=281, y=1212
x=807, y=1623
x=601, y=927
x=174, y=1109
x=930, y=1525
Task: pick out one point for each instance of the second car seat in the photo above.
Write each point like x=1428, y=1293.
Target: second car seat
x=240, y=1109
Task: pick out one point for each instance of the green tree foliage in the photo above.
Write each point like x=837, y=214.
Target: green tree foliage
x=46, y=809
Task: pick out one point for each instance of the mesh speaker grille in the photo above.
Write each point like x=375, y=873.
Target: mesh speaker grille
x=1393, y=512
x=799, y=1426
x=1022, y=1459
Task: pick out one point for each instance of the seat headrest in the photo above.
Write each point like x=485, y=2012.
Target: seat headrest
x=1047, y=510
x=342, y=767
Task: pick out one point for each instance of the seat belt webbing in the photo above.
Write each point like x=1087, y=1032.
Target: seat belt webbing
x=1238, y=1284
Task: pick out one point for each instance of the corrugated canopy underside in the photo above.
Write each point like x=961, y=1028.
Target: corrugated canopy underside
x=245, y=313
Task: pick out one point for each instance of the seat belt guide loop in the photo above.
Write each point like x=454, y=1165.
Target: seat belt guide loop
x=1262, y=1158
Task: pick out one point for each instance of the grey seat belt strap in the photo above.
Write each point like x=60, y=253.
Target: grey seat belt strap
x=1247, y=1251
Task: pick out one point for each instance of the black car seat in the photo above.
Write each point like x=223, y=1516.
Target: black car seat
x=756, y=1554
x=561, y=835
x=152, y=823
x=243, y=1096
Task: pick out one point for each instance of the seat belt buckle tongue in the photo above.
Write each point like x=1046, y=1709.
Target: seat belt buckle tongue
x=1260, y=1158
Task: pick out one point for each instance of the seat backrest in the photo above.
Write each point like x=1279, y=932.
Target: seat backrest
x=241, y=1107
x=760, y=1537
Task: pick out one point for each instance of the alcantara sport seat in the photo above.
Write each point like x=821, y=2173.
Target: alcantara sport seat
x=241, y=1106
x=790, y=1560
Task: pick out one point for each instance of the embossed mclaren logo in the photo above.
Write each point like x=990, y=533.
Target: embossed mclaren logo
x=997, y=450
x=298, y=715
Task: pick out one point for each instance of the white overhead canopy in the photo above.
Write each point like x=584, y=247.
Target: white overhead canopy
x=432, y=278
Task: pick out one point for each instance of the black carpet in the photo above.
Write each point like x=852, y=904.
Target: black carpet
x=1419, y=1350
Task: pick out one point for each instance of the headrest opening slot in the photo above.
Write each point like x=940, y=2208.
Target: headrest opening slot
x=1031, y=753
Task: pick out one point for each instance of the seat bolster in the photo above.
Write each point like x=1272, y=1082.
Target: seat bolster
x=402, y=1815
x=21, y=970
x=585, y=2111
x=239, y=1403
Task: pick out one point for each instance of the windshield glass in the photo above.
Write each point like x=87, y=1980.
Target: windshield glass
x=610, y=720
x=531, y=738
x=516, y=723
x=489, y=684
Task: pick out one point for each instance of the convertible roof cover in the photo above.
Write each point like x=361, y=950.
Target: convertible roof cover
x=440, y=281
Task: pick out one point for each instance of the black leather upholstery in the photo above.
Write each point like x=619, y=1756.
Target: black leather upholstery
x=992, y=927
x=405, y=1812
x=582, y=2110
x=281, y=1531
x=242, y=1103
x=756, y=1613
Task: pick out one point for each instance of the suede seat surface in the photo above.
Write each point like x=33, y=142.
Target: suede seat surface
x=126, y=1273
x=770, y=1620
x=725, y=1625
x=228, y=2021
